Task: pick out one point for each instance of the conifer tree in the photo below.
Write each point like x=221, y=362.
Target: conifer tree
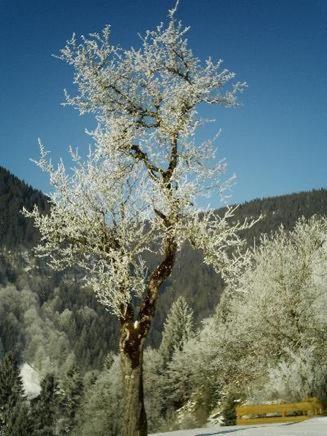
x=14, y=413
x=99, y=413
x=72, y=392
x=45, y=407
x=20, y=422
x=1, y=349
x=178, y=329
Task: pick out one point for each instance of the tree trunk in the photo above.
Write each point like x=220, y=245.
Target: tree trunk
x=132, y=336
x=134, y=416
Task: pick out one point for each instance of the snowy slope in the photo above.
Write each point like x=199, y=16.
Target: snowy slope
x=312, y=427
x=31, y=381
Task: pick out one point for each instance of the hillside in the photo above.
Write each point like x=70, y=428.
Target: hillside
x=15, y=230
x=72, y=315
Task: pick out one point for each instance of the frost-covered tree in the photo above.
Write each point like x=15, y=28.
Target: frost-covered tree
x=267, y=339
x=297, y=376
x=99, y=412
x=276, y=312
x=156, y=401
x=178, y=329
x=140, y=186
x=191, y=380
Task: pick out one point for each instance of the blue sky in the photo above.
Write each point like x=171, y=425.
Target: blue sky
x=276, y=142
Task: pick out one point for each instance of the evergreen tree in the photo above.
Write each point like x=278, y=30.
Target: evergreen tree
x=20, y=422
x=178, y=329
x=72, y=393
x=228, y=411
x=99, y=412
x=14, y=413
x=1, y=349
x=45, y=407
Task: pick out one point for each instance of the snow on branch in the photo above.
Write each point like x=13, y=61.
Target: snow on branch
x=138, y=188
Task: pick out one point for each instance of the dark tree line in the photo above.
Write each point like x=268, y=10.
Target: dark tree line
x=16, y=230
x=52, y=412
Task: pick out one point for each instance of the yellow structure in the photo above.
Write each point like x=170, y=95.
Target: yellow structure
x=284, y=412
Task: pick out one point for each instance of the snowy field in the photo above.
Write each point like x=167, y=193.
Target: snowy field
x=312, y=427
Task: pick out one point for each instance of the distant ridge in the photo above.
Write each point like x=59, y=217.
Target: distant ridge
x=282, y=209
x=15, y=229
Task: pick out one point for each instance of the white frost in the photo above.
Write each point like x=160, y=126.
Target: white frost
x=31, y=381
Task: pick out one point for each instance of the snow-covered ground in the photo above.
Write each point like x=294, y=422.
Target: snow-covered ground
x=31, y=380
x=311, y=427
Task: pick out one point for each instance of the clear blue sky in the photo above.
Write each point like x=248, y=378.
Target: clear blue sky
x=276, y=142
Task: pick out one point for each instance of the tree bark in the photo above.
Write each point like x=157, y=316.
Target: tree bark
x=131, y=359
x=132, y=337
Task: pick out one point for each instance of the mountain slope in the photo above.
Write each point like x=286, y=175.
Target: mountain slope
x=59, y=293
x=15, y=229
